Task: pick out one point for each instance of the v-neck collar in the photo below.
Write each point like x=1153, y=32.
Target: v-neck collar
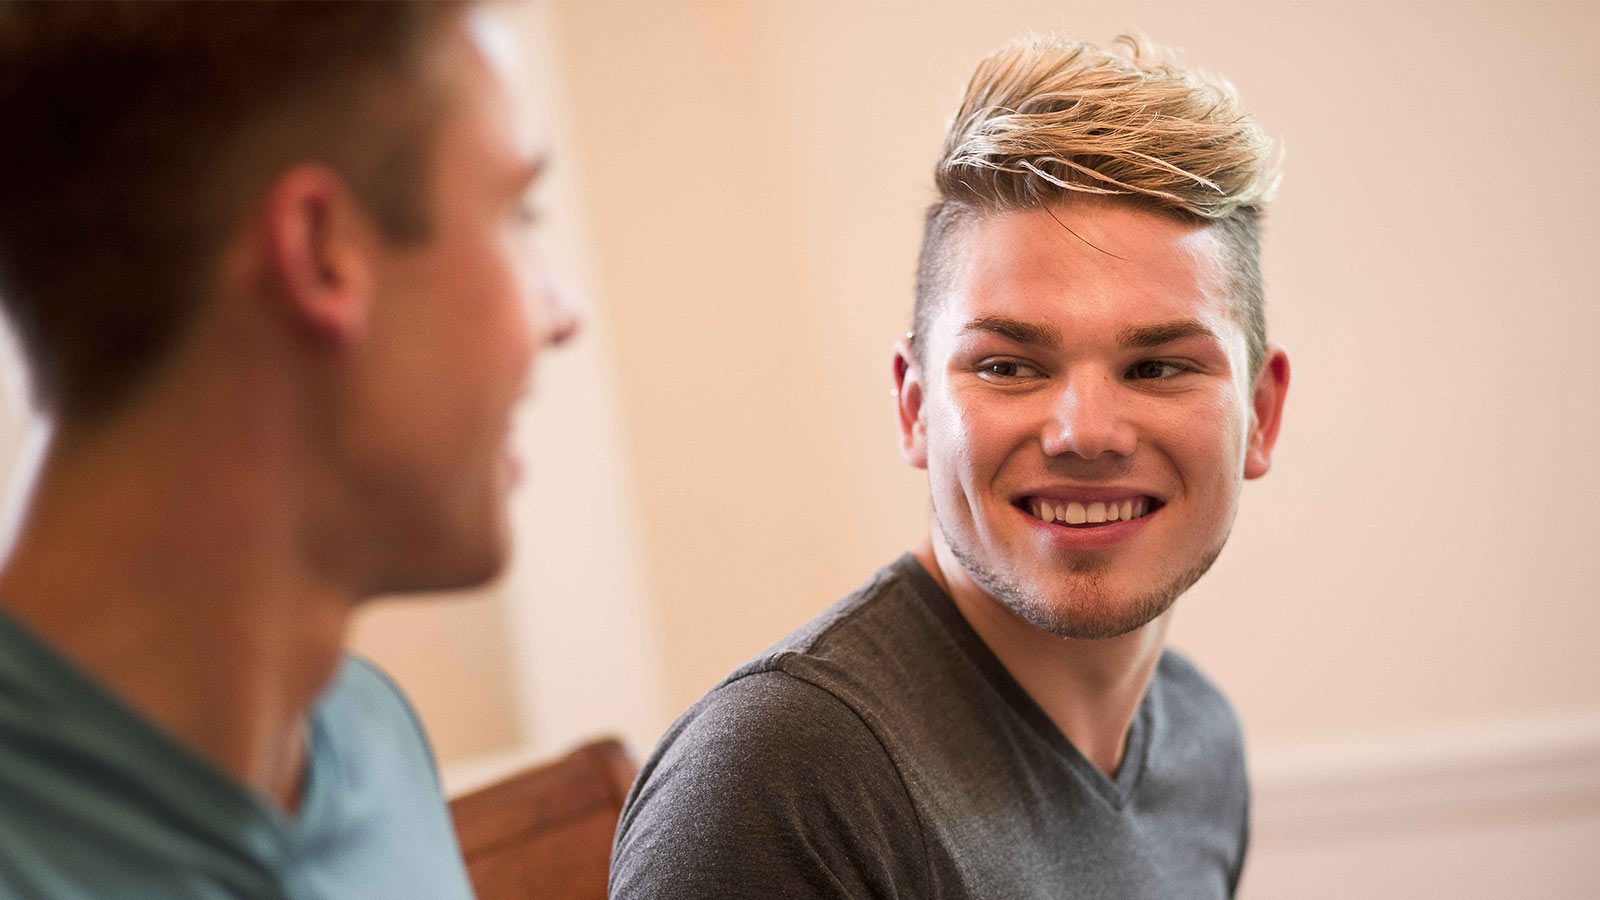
x=1117, y=790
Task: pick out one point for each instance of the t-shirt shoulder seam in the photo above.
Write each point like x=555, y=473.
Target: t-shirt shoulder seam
x=778, y=667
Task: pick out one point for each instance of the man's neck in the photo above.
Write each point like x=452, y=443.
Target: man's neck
x=163, y=567
x=1091, y=689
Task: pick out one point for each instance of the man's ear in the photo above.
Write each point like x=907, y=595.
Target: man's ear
x=908, y=404
x=1266, y=412
x=319, y=241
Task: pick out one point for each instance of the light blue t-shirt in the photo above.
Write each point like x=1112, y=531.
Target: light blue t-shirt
x=97, y=802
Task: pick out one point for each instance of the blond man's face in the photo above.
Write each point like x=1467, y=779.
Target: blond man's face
x=1085, y=412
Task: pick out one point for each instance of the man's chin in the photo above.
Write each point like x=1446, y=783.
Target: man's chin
x=1089, y=615
x=463, y=568
x=1092, y=603
x=1090, y=597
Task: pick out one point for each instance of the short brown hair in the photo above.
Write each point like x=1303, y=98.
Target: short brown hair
x=1046, y=119
x=138, y=134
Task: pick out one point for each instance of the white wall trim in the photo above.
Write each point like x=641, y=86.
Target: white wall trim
x=1510, y=769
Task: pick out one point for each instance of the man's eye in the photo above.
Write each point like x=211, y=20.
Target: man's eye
x=1005, y=370
x=1155, y=369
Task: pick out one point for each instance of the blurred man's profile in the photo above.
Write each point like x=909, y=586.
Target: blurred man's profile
x=1087, y=384
x=269, y=265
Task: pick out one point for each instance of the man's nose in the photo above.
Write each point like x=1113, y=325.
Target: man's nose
x=1089, y=419
x=564, y=314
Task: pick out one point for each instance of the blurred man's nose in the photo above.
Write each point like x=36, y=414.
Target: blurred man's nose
x=1089, y=419
x=563, y=313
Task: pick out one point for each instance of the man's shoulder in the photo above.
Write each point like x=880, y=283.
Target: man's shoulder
x=364, y=713
x=883, y=667
x=372, y=764
x=769, y=779
x=761, y=726
x=362, y=690
x=779, y=775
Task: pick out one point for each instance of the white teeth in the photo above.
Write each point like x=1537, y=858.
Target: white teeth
x=1096, y=512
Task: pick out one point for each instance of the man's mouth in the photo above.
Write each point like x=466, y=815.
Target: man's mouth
x=1088, y=514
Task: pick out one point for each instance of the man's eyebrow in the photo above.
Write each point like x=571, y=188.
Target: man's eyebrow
x=1015, y=330
x=1164, y=333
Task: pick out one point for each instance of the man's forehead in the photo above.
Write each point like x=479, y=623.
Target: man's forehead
x=496, y=40
x=1108, y=270
x=1117, y=244
x=490, y=68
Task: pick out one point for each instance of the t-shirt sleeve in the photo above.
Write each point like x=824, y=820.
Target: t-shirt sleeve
x=770, y=788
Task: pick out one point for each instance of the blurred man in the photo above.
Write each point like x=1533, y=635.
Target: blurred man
x=270, y=268
x=1087, y=385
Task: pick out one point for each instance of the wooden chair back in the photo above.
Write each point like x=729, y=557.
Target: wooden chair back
x=545, y=833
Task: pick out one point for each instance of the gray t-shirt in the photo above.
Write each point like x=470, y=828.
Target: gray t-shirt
x=883, y=751
x=97, y=802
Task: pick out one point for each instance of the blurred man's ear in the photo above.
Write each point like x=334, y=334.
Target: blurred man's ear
x=1266, y=412
x=908, y=404
x=319, y=241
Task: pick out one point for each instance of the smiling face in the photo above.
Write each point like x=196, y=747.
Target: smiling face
x=1085, y=412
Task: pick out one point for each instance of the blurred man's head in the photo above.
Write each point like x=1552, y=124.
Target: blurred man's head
x=324, y=203
x=140, y=136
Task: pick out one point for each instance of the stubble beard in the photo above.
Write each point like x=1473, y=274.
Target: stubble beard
x=1091, y=612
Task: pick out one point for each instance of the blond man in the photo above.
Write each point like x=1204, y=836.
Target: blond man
x=1087, y=384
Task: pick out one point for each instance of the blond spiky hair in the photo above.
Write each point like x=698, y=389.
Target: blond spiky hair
x=1045, y=118
x=1044, y=115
